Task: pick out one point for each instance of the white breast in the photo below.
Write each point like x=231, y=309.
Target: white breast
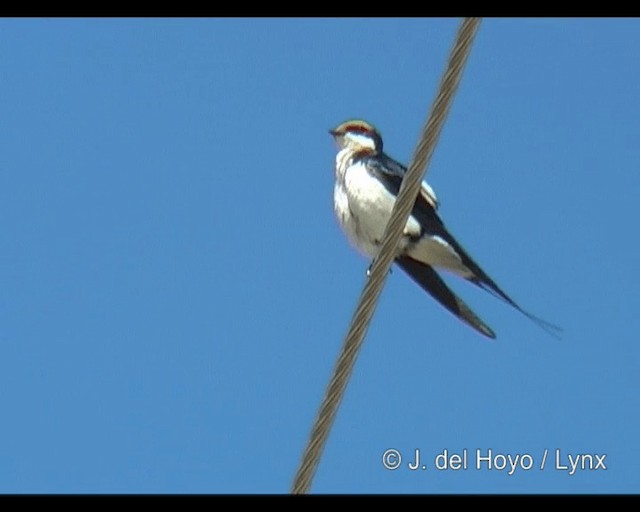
x=363, y=207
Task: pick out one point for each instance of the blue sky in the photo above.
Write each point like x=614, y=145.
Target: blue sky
x=175, y=289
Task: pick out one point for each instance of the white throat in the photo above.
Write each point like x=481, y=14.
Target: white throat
x=359, y=141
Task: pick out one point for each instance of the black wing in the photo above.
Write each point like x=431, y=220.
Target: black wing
x=432, y=283
x=390, y=173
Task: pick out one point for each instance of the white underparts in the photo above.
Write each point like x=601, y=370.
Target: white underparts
x=363, y=206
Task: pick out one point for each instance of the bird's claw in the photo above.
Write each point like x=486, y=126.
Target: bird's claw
x=371, y=266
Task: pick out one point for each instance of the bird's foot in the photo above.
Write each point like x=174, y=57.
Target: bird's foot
x=371, y=266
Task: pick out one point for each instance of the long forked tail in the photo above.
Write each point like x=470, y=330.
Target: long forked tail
x=433, y=284
x=482, y=280
x=487, y=284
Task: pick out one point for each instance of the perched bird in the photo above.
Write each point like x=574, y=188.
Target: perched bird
x=367, y=184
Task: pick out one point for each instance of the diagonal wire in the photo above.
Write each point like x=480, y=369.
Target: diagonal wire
x=381, y=264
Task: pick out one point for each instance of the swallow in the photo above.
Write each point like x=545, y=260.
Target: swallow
x=367, y=184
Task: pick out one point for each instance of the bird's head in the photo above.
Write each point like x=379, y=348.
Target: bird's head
x=358, y=135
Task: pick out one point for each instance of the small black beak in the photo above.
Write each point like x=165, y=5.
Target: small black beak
x=333, y=132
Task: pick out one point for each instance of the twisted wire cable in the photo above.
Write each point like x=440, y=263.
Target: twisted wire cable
x=382, y=263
